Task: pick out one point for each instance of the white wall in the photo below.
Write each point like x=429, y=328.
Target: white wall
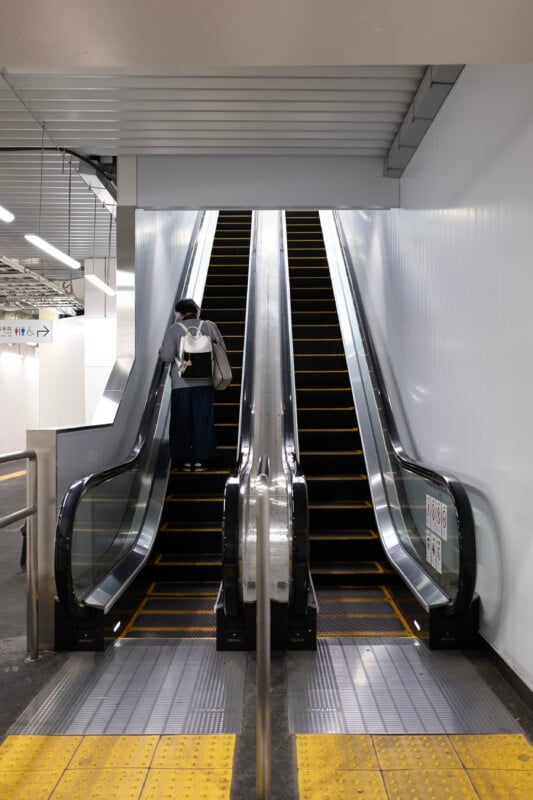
x=448, y=285
x=263, y=182
x=62, y=375
x=19, y=397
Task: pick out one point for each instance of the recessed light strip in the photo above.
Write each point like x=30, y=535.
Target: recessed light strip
x=42, y=244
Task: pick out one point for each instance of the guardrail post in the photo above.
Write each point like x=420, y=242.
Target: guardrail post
x=263, y=733
x=32, y=577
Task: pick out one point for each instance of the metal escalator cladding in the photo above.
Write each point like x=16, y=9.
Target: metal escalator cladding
x=346, y=555
x=185, y=570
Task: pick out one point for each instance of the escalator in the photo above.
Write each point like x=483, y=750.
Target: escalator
x=353, y=580
x=184, y=574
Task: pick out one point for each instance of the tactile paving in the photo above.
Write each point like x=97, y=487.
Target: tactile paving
x=333, y=784
x=335, y=751
x=415, y=752
x=195, y=752
x=180, y=784
x=351, y=686
x=37, y=753
x=24, y=785
x=100, y=784
x=494, y=752
x=114, y=751
x=433, y=784
x=133, y=689
x=494, y=784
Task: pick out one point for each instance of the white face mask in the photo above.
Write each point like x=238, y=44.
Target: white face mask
x=179, y=316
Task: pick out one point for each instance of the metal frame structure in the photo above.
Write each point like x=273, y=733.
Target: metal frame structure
x=29, y=513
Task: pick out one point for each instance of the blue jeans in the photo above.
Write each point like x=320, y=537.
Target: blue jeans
x=192, y=424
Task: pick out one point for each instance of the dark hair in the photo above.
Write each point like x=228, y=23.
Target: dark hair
x=187, y=306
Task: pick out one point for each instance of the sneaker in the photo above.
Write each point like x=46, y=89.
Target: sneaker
x=199, y=467
x=187, y=467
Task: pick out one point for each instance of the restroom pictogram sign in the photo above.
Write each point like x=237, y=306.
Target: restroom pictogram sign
x=26, y=331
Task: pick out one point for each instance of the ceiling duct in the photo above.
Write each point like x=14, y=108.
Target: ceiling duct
x=434, y=88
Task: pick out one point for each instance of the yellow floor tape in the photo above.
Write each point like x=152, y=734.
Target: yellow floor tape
x=11, y=475
x=458, y=767
x=185, y=767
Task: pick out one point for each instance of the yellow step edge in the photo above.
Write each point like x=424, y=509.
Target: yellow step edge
x=13, y=475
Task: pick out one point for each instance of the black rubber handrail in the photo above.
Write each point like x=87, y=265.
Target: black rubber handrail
x=465, y=520
x=76, y=492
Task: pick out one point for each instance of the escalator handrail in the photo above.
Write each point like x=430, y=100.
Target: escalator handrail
x=465, y=519
x=76, y=492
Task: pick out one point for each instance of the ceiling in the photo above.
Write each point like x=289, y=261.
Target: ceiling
x=349, y=111
x=335, y=110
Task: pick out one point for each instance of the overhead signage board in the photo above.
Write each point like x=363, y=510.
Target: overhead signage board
x=26, y=331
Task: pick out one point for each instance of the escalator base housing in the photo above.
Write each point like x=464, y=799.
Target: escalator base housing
x=287, y=631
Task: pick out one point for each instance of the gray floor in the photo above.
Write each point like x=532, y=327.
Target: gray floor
x=139, y=688
x=390, y=687
x=20, y=680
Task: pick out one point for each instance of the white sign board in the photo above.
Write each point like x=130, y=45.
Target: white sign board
x=26, y=331
x=437, y=517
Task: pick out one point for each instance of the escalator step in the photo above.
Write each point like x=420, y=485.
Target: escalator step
x=183, y=589
x=338, y=487
x=321, y=379
x=310, y=361
x=316, y=462
x=336, y=439
x=321, y=417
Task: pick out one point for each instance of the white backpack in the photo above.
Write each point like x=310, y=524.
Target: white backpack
x=195, y=358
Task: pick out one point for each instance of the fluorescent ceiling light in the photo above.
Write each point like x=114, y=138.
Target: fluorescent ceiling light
x=95, y=280
x=51, y=250
x=5, y=215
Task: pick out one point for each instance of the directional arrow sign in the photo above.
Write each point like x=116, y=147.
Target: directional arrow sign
x=26, y=331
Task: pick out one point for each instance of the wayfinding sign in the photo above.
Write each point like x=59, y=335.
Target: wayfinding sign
x=26, y=331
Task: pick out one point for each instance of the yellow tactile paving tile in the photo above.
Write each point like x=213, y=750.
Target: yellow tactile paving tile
x=181, y=767
x=429, y=784
x=502, y=784
x=100, y=784
x=182, y=784
x=24, y=785
x=195, y=752
x=108, y=752
x=332, y=784
x=414, y=767
x=37, y=753
x=322, y=751
x=499, y=751
x=416, y=752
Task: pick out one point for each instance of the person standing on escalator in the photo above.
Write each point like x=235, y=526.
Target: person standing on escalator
x=192, y=425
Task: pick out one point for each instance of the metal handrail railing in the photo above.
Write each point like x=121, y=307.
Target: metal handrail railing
x=263, y=732
x=29, y=513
